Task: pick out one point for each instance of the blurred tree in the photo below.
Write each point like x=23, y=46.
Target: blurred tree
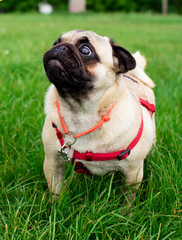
x=76, y=6
x=164, y=6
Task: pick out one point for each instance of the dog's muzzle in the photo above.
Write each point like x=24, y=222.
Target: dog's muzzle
x=66, y=70
x=61, y=58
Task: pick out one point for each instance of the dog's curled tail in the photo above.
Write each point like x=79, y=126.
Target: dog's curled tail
x=138, y=71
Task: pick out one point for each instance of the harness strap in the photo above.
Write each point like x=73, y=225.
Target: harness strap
x=79, y=168
x=150, y=107
x=89, y=156
x=59, y=134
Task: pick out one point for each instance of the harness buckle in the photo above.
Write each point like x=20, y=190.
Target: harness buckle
x=127, y=151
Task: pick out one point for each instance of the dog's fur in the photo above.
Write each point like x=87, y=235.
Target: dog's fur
x=86, y=87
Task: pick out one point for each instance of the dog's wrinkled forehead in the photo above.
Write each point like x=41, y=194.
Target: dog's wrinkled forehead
x=101, y=44
x=74, y=36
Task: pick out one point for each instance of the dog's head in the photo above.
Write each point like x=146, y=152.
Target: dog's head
x=81, y=62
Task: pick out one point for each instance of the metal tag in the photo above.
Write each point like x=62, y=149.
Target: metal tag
x=64, y=154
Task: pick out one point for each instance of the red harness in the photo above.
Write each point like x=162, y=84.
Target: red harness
x=89, y=156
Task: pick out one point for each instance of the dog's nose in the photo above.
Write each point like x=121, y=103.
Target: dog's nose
x=63, y=48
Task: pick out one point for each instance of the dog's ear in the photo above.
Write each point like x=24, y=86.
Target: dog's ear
x=123, y=60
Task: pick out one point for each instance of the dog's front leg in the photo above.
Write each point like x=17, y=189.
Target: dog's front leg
x=54, y=173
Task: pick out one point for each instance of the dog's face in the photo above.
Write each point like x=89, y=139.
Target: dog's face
x=81, y=62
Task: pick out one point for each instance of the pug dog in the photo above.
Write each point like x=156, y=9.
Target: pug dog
x=99, y=109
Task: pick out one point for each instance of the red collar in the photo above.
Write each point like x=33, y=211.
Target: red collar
x=89, y=156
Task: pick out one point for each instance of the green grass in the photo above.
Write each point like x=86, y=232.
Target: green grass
x=89, y=207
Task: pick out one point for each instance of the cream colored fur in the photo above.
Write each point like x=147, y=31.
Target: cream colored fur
x=115, y=134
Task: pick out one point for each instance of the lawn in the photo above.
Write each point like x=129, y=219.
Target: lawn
x=89, y=207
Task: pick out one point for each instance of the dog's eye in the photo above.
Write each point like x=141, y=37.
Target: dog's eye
x=56, y=42
x=85, y=50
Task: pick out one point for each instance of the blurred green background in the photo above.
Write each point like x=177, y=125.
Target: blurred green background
x=174, y=6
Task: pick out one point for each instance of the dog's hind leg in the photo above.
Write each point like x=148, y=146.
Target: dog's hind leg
x=133, y=180
x=134, y=176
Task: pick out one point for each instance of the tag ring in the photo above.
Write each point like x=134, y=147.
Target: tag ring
x=69, y=144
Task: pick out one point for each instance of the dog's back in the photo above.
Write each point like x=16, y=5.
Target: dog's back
x=142, y=88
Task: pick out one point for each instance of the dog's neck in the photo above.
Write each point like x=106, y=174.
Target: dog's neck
x=98, y=102
x=111, y=96
x=86, y=115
